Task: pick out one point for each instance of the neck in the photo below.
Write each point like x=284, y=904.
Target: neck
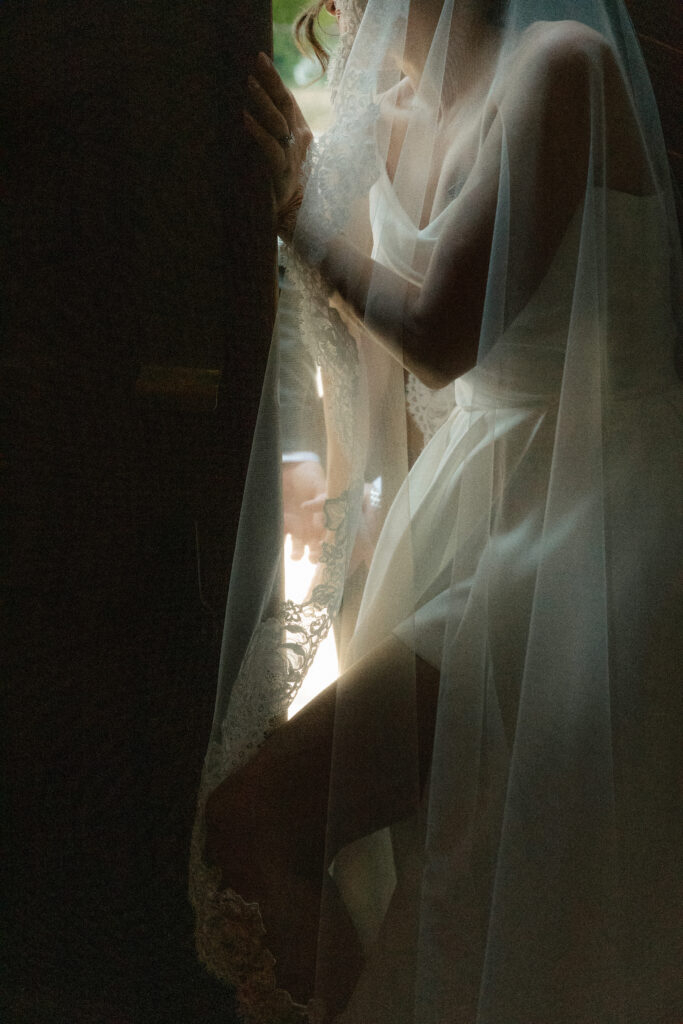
x=471, y=49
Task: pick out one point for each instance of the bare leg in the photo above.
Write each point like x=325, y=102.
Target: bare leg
x=268, y=827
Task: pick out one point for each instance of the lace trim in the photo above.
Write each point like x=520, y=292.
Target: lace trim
x=282, y=649
x=330, y=345
x=429, y=409
x=340, y=167
x=229, y=935
x=351, y=15
x=229, y=931
x=230, y=941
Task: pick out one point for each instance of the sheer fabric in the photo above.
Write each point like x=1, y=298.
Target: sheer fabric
x=528, y=554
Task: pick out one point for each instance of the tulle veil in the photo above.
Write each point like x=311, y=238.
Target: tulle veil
x=536, y=880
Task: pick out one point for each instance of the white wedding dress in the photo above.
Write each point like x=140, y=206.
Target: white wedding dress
x=442, y=577
x=531, y=554
x=508, y=404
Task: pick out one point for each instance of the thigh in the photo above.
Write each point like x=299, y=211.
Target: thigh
x=368, y=736
x=352, y=761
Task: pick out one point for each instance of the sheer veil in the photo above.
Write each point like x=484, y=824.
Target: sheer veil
x=526, y=552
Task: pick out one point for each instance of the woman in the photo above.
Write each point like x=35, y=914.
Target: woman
x=478, y=821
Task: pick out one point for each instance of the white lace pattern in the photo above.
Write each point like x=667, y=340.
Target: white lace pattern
x=229, y=931
x=429, y=409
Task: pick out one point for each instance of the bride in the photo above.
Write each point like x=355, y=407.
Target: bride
x=478, y=821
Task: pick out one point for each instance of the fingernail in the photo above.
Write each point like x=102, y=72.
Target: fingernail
x=251, y=82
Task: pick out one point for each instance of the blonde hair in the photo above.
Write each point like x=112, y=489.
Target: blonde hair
x=305, y=34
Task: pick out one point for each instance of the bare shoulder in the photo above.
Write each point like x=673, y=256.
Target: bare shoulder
x=547, y=43
x=564, y=75
x=560, y=53
x=551, y=74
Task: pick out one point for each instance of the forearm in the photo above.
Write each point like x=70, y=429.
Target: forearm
x=394, y=314
x=378, y=303
x=377, y=299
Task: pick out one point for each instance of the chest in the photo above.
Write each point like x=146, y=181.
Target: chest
x=428, y=163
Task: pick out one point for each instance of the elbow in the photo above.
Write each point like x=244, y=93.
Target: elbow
x=437, y=356
x=434, y=378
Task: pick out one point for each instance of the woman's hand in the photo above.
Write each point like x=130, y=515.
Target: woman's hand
x=303, y=483
x=368, y=528
x=276, y=123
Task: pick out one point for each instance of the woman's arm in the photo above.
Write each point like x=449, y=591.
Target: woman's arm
x=434, y=330
x=541, y=118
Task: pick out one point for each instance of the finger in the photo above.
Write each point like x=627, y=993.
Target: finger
x=314, y=551
x=277, y=90
x=290, y=523
x=265, y=111
x=315, y=504
x=298, y=548
x=309, y=531
x=270, y=147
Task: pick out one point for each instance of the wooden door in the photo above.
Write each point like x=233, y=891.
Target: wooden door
x=138, y=289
